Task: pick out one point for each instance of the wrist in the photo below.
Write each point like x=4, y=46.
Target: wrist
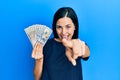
x=39, y=60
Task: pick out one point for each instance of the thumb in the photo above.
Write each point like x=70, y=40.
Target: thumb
x=67, y=43
x=70, y=58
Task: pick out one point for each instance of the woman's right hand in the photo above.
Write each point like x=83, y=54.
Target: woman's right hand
x=37, y=52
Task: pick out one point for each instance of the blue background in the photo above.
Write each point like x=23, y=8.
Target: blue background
x=99, y=27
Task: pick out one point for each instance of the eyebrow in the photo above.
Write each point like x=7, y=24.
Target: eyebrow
x=68, y=24
x=60, y=25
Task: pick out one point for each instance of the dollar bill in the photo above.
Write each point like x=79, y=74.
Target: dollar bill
x=31, y=34
x=38, y=33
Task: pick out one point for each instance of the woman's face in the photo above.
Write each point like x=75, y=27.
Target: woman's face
x=65, y=28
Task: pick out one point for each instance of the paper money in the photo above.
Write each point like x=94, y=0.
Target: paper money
x=38, y=33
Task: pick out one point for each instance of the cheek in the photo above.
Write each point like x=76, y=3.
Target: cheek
x=58, y=31
x=71, y=32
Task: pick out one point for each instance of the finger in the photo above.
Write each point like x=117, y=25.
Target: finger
x=39, y=53
x=83, y=48
x=33, y=54
x=76, y=52
x=78, y=48
x=73, y=61
x=75, y=56
x=35, y=47
x=67, y=43
x=69, y=56
x=34, y=51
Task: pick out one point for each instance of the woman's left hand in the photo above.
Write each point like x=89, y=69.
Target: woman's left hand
x=78, y=48
x=74, y=48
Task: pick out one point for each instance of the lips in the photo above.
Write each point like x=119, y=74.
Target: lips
x=65, y=37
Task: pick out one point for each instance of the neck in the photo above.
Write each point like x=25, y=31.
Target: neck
x=57, y=39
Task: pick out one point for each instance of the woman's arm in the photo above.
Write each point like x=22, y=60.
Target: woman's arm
x=37, y=54
x=38, y=68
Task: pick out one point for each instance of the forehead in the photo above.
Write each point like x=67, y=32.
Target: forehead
x=64, y=21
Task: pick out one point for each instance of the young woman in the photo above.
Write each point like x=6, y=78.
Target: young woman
x=60, y=58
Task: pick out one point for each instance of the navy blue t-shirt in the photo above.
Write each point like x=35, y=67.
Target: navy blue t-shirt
x=56, y=65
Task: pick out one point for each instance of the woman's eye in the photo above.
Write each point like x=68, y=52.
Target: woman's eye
x=58, y=26
x=68, y=26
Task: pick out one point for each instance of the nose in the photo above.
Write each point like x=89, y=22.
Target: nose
x=64, y=31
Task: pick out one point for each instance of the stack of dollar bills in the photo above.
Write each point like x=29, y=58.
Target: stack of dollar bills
x=38, y=33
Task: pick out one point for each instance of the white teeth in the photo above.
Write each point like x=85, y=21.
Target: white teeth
x=64, y=37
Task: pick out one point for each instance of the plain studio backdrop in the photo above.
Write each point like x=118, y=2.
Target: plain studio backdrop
x=99, y=22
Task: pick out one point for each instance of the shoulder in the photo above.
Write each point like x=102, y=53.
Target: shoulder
x=49, y=43
x=48, y=46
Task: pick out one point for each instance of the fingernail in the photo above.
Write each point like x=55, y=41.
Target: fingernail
x=74, y=63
